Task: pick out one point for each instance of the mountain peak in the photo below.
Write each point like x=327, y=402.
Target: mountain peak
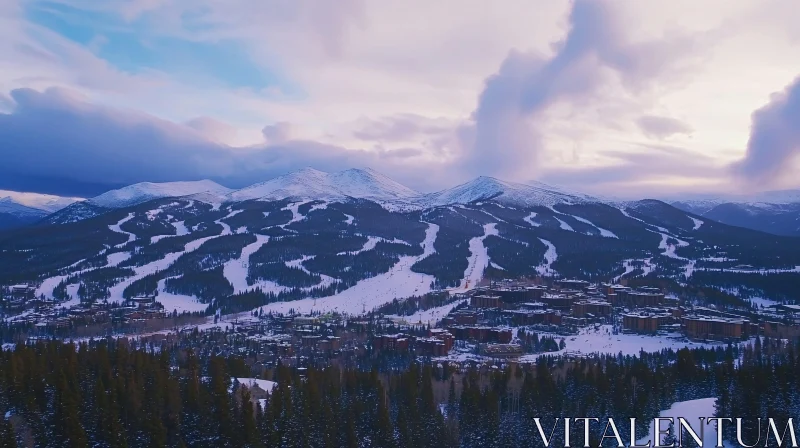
x=308, y=183
x=146, y=191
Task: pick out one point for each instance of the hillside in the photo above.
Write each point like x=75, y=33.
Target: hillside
x=327, y=250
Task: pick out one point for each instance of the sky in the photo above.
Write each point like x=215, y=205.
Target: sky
x=624, y=98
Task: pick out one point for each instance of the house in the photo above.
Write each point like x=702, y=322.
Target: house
x=644, y=322
x=485, y=301
x=597, y=308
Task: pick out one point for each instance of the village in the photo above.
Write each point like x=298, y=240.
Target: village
x=505, y=320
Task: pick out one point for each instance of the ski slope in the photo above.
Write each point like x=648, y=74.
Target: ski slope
x=478, y=260
x=116, y=228
x=399, y=282
x=550, y=256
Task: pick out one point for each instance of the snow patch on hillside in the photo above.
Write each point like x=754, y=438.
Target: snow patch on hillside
x=697, y=223
x=114, y=259
x=529, y=220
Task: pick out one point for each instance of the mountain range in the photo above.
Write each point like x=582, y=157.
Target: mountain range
x=355, y=239
x=776, y=212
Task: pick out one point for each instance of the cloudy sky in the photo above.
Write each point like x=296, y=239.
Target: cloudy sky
x=627, y=97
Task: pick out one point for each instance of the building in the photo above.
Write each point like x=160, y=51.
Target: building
x=485, y=301
x=595, y=308
x=717, y=328
x=781, y=331
x=22, y=292
x=561, y=302
x=390, y=342
x=645, y=322
x=533, y=317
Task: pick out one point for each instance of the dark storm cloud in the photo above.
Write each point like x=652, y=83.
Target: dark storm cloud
x=58, y=142
x=774, y=138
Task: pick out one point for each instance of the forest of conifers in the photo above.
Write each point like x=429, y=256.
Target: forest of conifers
x=105, y=394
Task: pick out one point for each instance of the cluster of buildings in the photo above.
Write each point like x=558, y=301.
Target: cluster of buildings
x=489, y=319
x=21, y=302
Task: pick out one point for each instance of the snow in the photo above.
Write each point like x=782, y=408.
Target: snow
x=529, y=220
x=562, y=224
x=155, y=266
x=178, y=302
x=697, y=223
x=603, y=232
x=762, y=302
x=372, y=241
x=627, y=215
x=226, y=229
x=478, y=260
x=42, y=202
x=116, y=228
x=322, y=206
x=236, y=270
x=550, y=256
x=264, y=385
x=431, y=316
x=601, y=340
x=627, y=264
x=399, y=282
x=146, y=191
x=310, y=184
x=349, y=220
x=116, y=258
x=506, y=193
x=180, y=230
x=691, y=411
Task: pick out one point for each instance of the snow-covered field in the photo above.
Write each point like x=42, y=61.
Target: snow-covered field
x=690, y=410
x=178, y=302
x=399, y=282
x=601, y=340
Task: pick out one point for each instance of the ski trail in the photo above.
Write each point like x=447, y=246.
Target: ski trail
x=550, y=256
x=399, y=282
x=180, y=230
x=116, y=228
x=226, y=229
x=479, y=258
x=236, y=270
x=529, y=220
x=697, y=223
x=562, y=224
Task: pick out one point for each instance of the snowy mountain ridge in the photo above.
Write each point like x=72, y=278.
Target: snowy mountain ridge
x=311, y=184
x=145, y=191
x=486, y=188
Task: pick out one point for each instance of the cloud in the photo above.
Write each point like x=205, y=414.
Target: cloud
x=402, y=128
x=774, y=138
x=277, y=133
x=213, y=129
x=68, y=145
x=662, y=127
x=595, y=56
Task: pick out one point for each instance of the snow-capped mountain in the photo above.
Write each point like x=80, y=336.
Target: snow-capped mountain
x=12, y=207
x=311, y=184
x=46, y=202
x=775, y=212
x=147, y=191
x=19, y=209
x=513, y=194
